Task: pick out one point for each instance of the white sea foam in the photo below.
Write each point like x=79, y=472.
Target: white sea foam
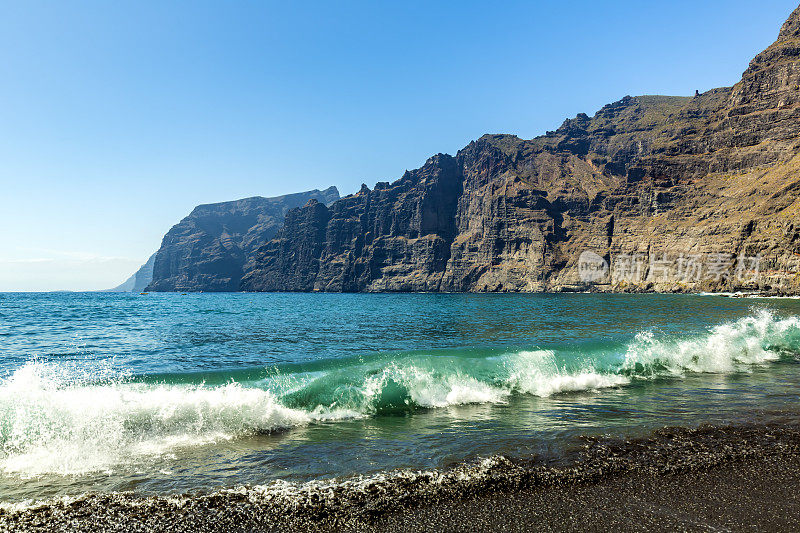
x=293, y=495
x=752, y=340
x=428, y=388
x=61, y=419
x=537, y=373
x=51, y=425
x=528, y=372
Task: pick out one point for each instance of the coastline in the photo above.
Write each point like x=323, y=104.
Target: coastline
x=589, y=288
x=755, y=493
x=593, y=328
x=734, y=477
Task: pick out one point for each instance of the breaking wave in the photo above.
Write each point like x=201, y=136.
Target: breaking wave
x=59, y=419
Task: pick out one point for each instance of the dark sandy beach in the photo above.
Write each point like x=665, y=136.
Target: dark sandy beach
x=720, y=479
x=755, y=494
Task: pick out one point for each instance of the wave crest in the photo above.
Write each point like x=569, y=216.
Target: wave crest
x=49, y=427
x=731, y=347
x=74, y=420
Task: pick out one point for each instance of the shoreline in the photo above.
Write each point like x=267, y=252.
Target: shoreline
x=555, y=290
x=671, y=479
x=755, y=493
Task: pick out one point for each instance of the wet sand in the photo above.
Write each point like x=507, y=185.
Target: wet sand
x=706, y=479
x=757, y=494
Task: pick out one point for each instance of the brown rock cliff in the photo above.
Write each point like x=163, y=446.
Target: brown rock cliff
x=675, y=193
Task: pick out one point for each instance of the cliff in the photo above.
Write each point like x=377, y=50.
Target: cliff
x=207, y=250
x=139, y=280
x=662, y=193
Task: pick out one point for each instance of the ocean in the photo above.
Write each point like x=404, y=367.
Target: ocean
x=162, y=394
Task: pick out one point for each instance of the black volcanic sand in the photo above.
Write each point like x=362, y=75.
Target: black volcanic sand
x=710, y=478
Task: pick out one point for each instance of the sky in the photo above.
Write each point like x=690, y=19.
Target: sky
x=117, y=118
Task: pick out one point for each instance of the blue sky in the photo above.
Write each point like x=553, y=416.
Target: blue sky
x=116, y=118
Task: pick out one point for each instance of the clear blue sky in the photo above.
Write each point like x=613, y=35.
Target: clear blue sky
x=116, y=118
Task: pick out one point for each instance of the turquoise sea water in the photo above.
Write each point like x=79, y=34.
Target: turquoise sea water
x=166, y=393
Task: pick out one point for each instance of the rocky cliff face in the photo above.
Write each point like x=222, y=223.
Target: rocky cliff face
x=663, y=193
x=398, y=235
x=207, y=250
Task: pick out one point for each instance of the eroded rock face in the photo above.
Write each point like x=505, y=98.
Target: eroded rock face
x=393, y=238
x=667, y=190
x=207, y=250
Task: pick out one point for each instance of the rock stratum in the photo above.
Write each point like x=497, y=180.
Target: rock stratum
x=664, y=193
x=207, y=250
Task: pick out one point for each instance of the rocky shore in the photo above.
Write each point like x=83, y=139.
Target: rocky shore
x=729, y=478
